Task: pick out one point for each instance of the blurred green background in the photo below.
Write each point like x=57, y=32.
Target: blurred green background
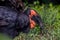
x=4, y=37
x=49, y=11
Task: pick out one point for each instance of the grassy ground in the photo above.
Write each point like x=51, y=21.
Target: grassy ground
x=51, y=18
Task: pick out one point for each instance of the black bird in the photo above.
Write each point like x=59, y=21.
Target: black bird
x=12, y=22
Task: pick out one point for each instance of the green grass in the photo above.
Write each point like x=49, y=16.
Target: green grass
x=51, y=18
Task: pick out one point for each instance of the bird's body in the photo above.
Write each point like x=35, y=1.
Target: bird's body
x=12, y=22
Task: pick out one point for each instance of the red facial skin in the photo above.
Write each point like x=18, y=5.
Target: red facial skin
x=32, y=22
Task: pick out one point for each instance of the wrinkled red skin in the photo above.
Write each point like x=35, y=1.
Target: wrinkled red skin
x=32, y=22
